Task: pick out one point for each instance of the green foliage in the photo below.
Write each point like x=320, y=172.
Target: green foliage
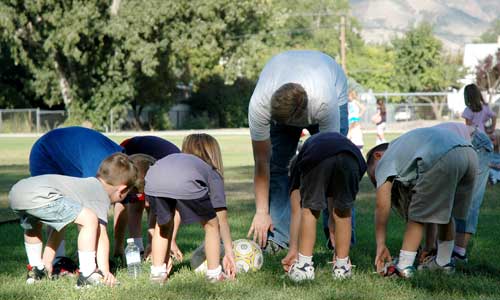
x=373, y=67
x=491, y=35
x=420, y=62
x=226, y=105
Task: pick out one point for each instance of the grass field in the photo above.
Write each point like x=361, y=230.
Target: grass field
x=480, y=279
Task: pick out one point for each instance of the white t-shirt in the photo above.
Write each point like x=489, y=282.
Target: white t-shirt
x=321, y=77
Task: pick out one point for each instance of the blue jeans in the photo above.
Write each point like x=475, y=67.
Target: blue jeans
x=284, y=141
x=484, y=148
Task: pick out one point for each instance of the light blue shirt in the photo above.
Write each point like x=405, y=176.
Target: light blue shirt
x=415, y=152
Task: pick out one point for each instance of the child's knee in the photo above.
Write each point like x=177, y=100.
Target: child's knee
x=211, y=224
x=343, y=212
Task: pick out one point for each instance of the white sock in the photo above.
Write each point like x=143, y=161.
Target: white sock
x=214, y=273
x=461, y=251
x=34, y=253
x=87, y=262
x=139, y=243
x=159, y=270
x=406, y=259
x=342, y=262
x=305, y=259
x=61, y=250
x=445, y=248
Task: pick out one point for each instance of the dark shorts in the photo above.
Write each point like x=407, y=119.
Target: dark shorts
x=337, y=177
x=191, y=211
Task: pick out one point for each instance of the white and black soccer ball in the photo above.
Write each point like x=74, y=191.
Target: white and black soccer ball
x=247, y=256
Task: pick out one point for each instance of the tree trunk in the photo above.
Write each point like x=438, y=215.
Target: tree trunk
x=63, y=84
x=115, y=6
x=437, y=106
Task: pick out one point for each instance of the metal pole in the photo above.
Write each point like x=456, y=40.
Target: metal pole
x=37, y=120
x=111, y=120
x=342, y=43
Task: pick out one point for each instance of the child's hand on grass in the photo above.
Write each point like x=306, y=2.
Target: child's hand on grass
x=383, y=256
x=109, y=279
x=229, y=264
x=176, y=252
x=289, y=260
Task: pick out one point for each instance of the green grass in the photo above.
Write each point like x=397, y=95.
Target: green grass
x=480, y=279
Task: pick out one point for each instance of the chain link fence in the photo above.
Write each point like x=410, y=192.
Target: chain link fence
x=30, y=120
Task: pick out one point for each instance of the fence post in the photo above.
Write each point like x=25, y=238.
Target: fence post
x=1, y=121
x=111, y=120
x=37, y=120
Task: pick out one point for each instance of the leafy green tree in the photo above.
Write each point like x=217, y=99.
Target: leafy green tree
x=422, y=65
x=492, y=34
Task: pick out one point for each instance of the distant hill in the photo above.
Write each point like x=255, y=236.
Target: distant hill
x=455, y=22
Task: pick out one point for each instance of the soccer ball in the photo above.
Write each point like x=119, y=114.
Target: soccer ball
x=247, y=256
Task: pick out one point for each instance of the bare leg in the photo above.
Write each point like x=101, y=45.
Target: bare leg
x=162, y=238
x=134, y=211
x=212, y=243
x=342, y=220
x=413, y=236
x=307, y=237
x=462, y=239
x=120, y=224
x=446, y=232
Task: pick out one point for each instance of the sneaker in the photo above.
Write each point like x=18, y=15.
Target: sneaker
x=222, y=277
x=342, y=272
x=430, y=264
x=300, y=272
x=462, y=259
x=64, y=266
x=272, y=247
x=391, y=270
x=94, y=279
x=35, y=274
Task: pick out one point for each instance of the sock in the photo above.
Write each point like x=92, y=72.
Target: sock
x=214, y=273
x=34, y=253
x=305, y=259
x=459, y=250
x=406, y=259
x=159, y=270
x=342, y=262
x=61, y=250
x=87, y=262
x=445, y=248
x=139, y=243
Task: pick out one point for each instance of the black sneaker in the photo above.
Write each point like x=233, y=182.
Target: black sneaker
x=272, y=248
x=459, y=258
x=94, y=279
x=35, y=274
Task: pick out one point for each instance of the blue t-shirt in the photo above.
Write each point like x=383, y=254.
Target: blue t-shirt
x=71, y=151
x=153, y=146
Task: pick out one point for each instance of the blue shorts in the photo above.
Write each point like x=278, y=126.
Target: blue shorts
x=57, y=214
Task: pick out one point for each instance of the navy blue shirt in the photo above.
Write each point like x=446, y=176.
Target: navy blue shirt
x=153, y=146
x=71, y=151
x=322, y=146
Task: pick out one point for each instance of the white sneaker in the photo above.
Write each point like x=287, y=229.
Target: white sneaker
x=342, y=272
x=300, y=272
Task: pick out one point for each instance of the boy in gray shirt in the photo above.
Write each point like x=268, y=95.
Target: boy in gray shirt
x=57, y=200
x=428, y=176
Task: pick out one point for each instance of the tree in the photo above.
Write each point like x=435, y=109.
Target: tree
x=492, y=34
x=488, y=74
x=422, y=66
x=98, y=57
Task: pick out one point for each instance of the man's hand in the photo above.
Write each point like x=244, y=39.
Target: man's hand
x=261, y=224
x=383, y=256
x=289, y=259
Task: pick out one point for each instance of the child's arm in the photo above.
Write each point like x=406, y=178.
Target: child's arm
x=225, y=234
x=293, y=250
x=382, y=211
x=102, y=255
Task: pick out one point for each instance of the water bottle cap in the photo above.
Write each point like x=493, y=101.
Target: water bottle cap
x=130, y=240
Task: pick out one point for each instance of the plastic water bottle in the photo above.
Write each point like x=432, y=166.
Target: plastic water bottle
x=133, y=256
